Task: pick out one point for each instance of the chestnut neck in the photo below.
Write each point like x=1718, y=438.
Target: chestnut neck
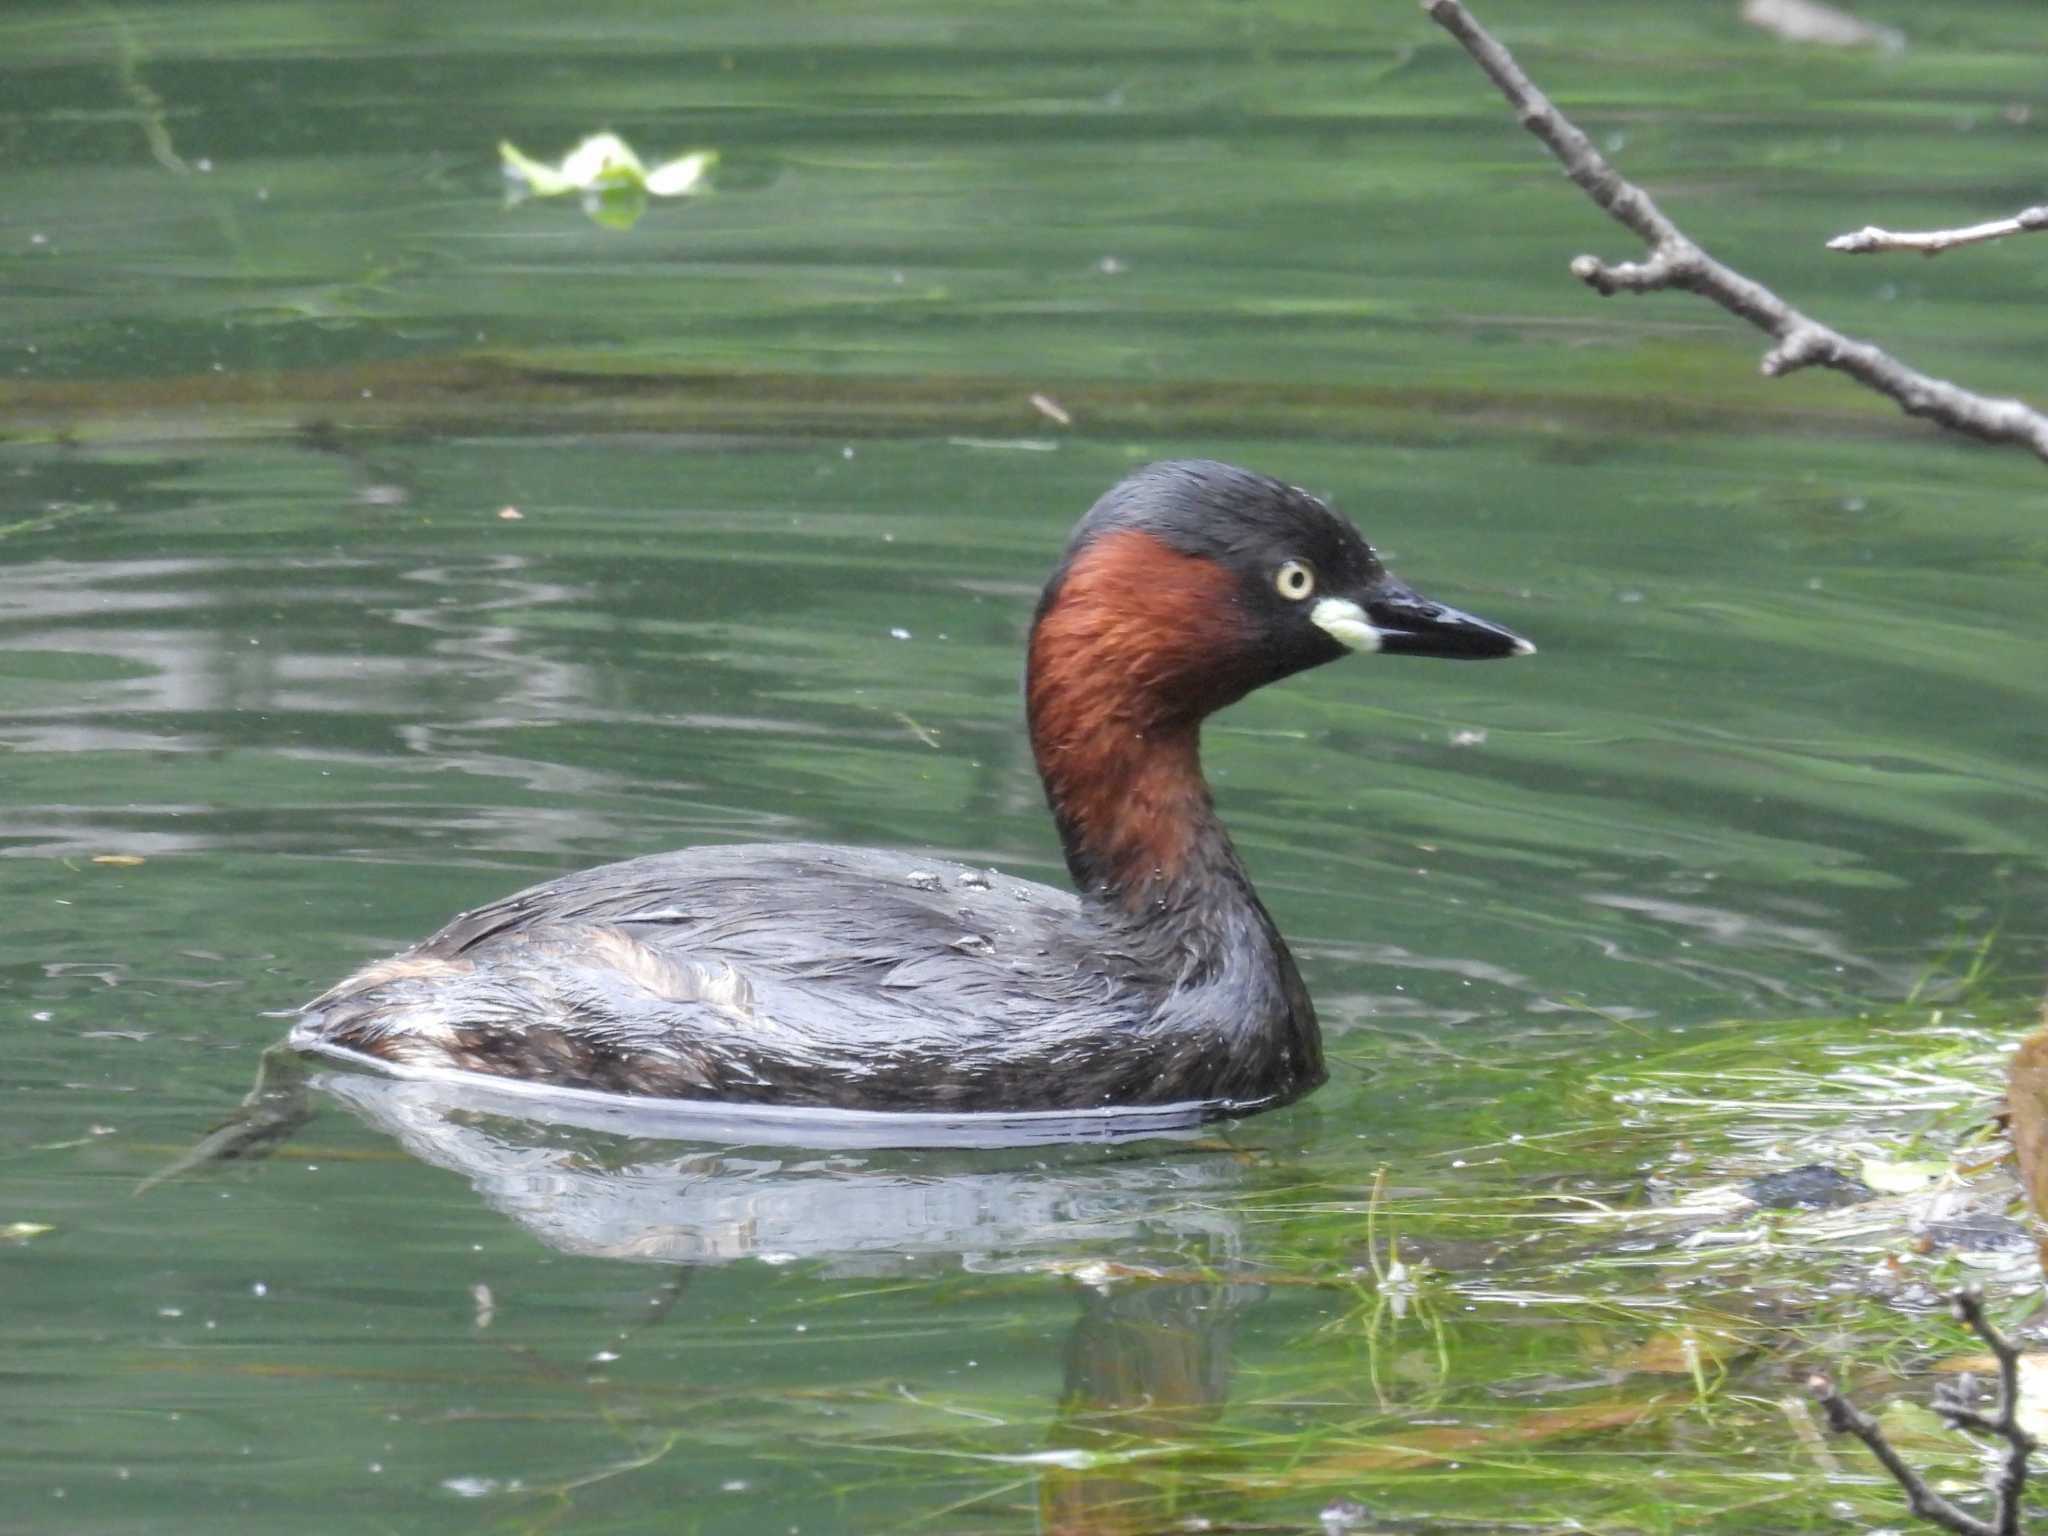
x=1133, y=646
x=1135, y=817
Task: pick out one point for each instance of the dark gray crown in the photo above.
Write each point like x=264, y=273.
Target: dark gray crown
x=1245, y=520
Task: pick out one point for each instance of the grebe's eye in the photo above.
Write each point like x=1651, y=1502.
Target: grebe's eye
x=1295, y=580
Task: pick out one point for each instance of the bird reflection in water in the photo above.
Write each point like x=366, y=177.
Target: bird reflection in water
x=1139, y=1230
x=1144, y=1362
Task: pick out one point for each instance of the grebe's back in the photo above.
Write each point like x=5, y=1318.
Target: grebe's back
x=789, y=973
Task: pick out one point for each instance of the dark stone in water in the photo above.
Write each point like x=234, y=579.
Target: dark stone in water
x=1812, y=1187
x=1984, y=1232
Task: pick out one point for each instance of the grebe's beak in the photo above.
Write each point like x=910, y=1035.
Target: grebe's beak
x=1404, y=623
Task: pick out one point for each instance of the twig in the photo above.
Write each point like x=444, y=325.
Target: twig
x=1845, y=1418
x=1932, y=242
x=1676, y=262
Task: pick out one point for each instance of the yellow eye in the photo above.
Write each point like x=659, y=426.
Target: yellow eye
x=1295, y=580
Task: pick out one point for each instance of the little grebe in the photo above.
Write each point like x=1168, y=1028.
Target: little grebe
x=801, y=974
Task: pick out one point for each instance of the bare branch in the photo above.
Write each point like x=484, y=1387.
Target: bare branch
x=2012, y=1476
x=1676, y=262
x=1932, y=242
x=1845, y=1418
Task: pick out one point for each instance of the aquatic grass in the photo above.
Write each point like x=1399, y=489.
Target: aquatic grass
x=1738, y=1299
x=1576, y=1345
x=1622, y=1408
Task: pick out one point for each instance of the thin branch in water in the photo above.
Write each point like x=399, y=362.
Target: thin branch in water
x=1932, y=242
x=1675, y=261
x=1845, y=1418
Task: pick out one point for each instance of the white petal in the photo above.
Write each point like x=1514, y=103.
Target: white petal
x=603, y=159
x=680, y=176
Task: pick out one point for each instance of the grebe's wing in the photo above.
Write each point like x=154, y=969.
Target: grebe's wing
x=786, y=973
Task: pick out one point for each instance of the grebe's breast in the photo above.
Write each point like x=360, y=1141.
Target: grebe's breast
x=785, y=973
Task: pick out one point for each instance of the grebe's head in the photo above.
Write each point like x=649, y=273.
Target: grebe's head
x=1199, y=582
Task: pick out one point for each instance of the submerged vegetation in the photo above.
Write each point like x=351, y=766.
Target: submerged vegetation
x=1607, y=1324
x=1596, y=1327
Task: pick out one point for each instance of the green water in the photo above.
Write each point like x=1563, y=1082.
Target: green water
x=275, y=357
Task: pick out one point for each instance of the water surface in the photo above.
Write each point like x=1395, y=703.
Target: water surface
x=282, y=685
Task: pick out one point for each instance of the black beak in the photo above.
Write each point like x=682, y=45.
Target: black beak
x=1411, y=625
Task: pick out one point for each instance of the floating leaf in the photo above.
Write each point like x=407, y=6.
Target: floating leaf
x=615, y=207
x=541, y=180
x=681, y=176
x=615, y=183
x=118, y=860
x=603, y=160
x=1810, y=21
x=1900, y=1178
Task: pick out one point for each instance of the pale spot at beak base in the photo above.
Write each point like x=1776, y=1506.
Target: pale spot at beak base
x=1345, y=622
